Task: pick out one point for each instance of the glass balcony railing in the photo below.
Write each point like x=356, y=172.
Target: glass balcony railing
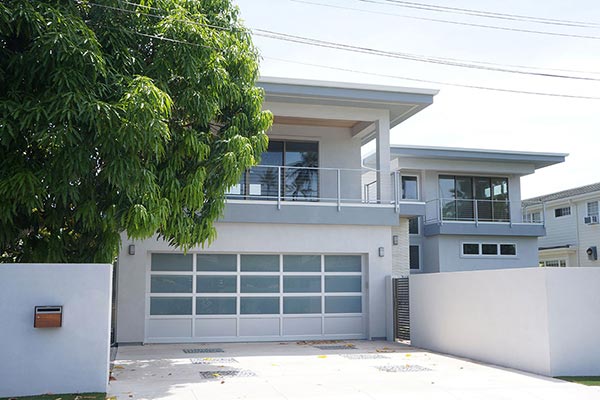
x=471, y=210
x=311, y=184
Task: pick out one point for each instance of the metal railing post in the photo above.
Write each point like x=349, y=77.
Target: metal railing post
x=279, y=188
x=396, y=192
x=476, y=203
x=440, y=211
x=339, y=190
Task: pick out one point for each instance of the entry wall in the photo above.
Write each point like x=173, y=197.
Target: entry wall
x=540, y=320
x=69, y=359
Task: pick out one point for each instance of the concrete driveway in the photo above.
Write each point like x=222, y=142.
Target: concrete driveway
x=335, y=370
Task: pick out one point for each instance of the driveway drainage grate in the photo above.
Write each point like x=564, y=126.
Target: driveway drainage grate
x=402, y=368
x=337, y=347
x=193, y=351
x=236, y=373
x=363, y=356
x=215, y=360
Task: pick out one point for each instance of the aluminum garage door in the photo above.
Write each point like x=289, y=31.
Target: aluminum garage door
x=246, y=297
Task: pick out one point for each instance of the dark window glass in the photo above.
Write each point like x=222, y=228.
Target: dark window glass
x=561, y=212
x=489, y=249
x=508, y=249
x=447, y=197
x=464, y=198
x=301, y=174
x=409, y=187
x=483, y=194
x=413, y=257
x=413, y=226
x=471, y=248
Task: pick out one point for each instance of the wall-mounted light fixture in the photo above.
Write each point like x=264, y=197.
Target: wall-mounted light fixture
x=395, y=240
x=131, y=250
x=381, y=252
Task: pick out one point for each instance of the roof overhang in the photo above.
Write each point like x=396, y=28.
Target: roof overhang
x=538, y=160
x=401, y=102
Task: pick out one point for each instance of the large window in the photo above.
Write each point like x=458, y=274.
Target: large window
x=469, y=198
x=290, y=166
x=410, y=188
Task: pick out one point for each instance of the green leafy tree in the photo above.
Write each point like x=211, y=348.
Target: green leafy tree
x=121, y=116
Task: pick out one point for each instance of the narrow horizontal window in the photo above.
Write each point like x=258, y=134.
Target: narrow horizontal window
x=489, y=249
x=508, y=249
x=562, y=212
x=471, y=249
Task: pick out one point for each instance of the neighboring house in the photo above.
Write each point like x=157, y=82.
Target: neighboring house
x=473, y=217
x=572, y=226
x=309, y=237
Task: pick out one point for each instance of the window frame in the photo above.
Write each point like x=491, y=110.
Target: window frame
x=562, y=214
x=417, y=180
x=587, y=208
x=480, y=248
x=418, y=256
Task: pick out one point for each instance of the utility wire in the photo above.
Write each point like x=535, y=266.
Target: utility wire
x=485, y=14
x=405, y=56
x=435, y=82
x=445, y=21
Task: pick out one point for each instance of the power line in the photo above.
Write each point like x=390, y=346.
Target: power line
x=436, y=82
x=405, y=56
x=445, y=21
x=486, y=14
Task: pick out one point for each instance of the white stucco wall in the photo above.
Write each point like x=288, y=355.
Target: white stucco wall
x=262, y=238
x=541, y=320
x=70, y=359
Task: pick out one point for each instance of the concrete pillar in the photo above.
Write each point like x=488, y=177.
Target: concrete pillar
x=384, y=180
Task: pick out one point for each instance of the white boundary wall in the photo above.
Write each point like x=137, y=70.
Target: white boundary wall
x=541, y=320
x=71, y=359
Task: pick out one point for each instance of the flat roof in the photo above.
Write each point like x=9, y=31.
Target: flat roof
x=538, y=159
x=401, y=102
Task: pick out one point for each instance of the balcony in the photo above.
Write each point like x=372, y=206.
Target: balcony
x=318, y=195
x=477, y=217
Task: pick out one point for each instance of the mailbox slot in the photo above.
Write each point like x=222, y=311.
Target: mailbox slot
x=48, y=317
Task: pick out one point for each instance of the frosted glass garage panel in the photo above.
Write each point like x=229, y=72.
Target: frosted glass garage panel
x=216, y=262
x=337, y=284
x=259, y=263
x=296, y=263
x=342, y=263
x=215, y=305
x=343, y=304
x=259, y=284
x=216, y=284
x=170, y=306
x=171, y=262
x=171, y=284
x=302, y=305
x=259, y=305
x=302, y=284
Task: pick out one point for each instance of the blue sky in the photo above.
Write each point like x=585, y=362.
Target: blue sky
x=459, y=117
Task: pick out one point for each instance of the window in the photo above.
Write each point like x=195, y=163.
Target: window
x=410, y=187
x=533, y=217
x=592, y=208
x=414, y=257
x=298, y=164
x=553, y=263
x=468, y=198
x=562, y=212
x=471, y=249
x=489, y=249
x=413, y=226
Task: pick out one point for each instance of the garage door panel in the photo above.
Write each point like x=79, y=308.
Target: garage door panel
x=169, y=328
x=302, y=326
x=344, y=325
x=259, y=327
x=216, y=327
x=237, y=297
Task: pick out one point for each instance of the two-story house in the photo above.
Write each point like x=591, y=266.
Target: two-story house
x=572, y=226
x=309, y=237
x=473, y=217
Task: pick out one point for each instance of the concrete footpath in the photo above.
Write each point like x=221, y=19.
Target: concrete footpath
x=321, y=370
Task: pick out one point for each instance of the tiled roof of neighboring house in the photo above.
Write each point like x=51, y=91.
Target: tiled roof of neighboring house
x=594, y=187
